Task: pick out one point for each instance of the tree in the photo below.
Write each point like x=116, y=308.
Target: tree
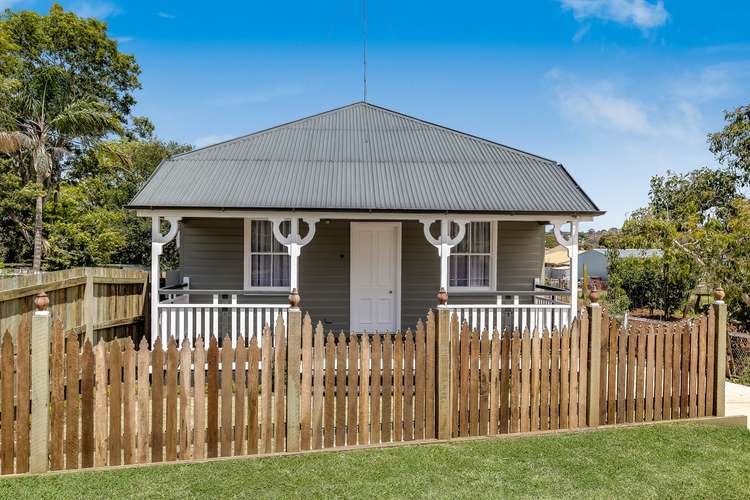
x=732, y=145
x=89, y=226
x=78, y=46
x=701, y=220
x=64, y=85
x=47, y=125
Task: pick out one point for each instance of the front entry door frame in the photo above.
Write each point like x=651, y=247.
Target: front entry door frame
x=396, y=227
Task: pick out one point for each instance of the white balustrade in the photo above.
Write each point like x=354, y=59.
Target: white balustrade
x=188, y=321
x=543, y=313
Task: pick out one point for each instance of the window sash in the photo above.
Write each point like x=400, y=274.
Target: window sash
x=268, y=259
x=471, y=261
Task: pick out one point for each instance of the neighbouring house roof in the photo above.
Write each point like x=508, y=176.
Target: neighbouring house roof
x=632, y=252
x=362, y=157
x=556, y=256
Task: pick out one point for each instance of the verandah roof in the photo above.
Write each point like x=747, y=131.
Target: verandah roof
x=362, y=157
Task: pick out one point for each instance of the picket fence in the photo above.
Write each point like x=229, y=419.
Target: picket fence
x=296, y=387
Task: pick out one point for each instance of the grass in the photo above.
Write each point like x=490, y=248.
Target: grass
x=656, y=461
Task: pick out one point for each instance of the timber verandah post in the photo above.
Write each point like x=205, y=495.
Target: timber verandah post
x=293, y=346
x=594, y=362
x=40, y=342
x=720, y=361
x=443, y=410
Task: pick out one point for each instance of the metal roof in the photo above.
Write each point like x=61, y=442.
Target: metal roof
x=362, y=157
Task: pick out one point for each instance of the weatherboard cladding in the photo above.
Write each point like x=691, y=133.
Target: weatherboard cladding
x=364, y=157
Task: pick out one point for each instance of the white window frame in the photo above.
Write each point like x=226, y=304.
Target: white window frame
x=247, y=268
x=492, y=268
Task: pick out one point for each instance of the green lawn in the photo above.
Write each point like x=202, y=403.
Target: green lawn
x=660, y=461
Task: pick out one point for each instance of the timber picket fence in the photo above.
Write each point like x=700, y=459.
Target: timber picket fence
x=97, y=302
x=295, y=387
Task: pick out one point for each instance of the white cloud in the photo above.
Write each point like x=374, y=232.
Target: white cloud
x=165, y=15
x=602, y=104
x=98, y=10
x=641, y=13
x=207, y=140
x=712, y=82
x=123, y=39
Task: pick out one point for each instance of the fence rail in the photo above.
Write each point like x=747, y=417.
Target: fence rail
x=93, y=301
x=293, y=386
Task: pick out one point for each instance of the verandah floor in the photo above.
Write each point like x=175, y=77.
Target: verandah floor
x=651, y=461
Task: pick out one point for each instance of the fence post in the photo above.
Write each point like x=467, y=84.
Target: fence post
x=720, y=362
x=594, y=365
x=89, y=312
x=40, y=340
x=443, y=410
x=293, y=345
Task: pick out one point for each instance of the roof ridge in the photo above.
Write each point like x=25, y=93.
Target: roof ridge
x=460, y=133
x=366, y=104
x=268, y=129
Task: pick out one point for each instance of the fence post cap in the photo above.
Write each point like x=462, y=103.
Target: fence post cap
x=719, y=294
x=442, y=297
x=294, y=298
x=594, y=297
x=41, y=301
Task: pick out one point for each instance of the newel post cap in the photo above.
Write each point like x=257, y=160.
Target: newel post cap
x=719, y=293
x=442, y=297
x=41, y=301
x=294, y=298
x=594, y=296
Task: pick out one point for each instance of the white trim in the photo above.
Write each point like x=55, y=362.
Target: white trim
x=266, y=214
x=246, y=261
x=493, y=263
x=396, y=226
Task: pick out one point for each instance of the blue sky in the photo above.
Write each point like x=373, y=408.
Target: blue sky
x=616, y=90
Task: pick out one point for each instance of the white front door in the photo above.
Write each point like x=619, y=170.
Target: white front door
x=375, y=276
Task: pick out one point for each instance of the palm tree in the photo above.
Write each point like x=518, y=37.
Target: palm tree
x=47, y=125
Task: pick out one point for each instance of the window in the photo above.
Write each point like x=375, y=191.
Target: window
x=471, y=261
x=268, y=259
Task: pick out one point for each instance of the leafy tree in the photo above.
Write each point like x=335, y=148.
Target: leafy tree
x=701, y=220
x=46, y=126
x=732, y=145
x=64, y=85
x=80, y=47
x=89, y=225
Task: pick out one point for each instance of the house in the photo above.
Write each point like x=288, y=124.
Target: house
x=557, y=266
x=597, y=264
x=368, y=213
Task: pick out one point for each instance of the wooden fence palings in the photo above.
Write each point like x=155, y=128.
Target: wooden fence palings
x=117, y=404
x=118, y=300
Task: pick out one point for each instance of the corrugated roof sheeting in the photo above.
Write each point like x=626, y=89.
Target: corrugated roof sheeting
x=363, y=157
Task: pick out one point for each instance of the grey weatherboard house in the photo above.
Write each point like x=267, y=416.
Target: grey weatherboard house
x=368, y=212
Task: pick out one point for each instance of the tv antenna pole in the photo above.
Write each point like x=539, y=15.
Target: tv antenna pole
x=364, y=50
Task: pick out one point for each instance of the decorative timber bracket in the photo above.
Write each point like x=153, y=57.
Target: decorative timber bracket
x=567, y=242
x=444, y=242
x=571, y=244
x=294, y=242
x=158, y=240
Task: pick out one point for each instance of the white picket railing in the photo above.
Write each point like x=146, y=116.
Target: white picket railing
x=543, y=312
x=184, y=320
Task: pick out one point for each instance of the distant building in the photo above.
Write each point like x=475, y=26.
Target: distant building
x=595, y=260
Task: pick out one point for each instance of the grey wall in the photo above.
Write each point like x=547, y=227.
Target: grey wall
x=420, y=274
x=211, y=255
x=324, y=275
x=520, y=255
